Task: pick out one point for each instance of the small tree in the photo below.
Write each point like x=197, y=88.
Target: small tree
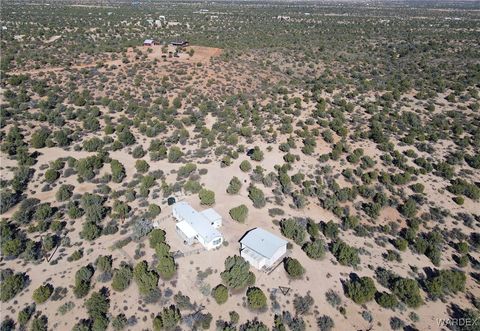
x=257, y=197
x=167, y=319
x=207, y=197
x=234, y=186
x=239, y=213
x=42, y=293
x=220, y=294
x=293, y=267
x=361, y=290
x=245, y=166
x=256, y=298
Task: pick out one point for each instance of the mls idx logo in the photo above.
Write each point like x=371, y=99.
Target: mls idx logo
x=462, y=322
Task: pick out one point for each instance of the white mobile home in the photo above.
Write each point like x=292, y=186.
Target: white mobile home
x=192, y=225
x=262, y=248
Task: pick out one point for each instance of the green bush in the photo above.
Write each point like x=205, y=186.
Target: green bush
x=234, y=186
x=257, y=197
x=122, y=278
x=207, y=197
x=245, y=166
x=345, y=255
x=292, y=229
x=174, y=154
x=147, y=280
x=386, y=300
x=142, y=166
x=293, y=268
x=315, y=249
x=360, y=290
x=64, y=193
x=220, y=294
x=42, y=293
x=237, y=274
x=167, y=319
x=407, y=291
x=11, y=284
x=256, y=299
x=51, y=175
x=239, y=213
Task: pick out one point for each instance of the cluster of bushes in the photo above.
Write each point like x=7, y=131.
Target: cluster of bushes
x=166, y=266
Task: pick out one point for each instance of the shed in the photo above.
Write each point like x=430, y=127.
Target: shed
x=262, y=248
x=149, y=42
x=180, y=43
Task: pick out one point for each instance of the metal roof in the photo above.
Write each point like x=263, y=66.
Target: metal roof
x=186, y=229
x=148, y=41
x=197, y=221
x=211, y=214
x=263, y=242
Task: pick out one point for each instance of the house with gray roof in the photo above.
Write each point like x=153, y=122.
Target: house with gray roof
x=262, y=248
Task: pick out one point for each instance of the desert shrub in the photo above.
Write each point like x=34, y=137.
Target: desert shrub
x=409, y=208
x=462, y=187
x=245, y=166
x=293, y=268
x=239, y=213
x=237, y=274
x=345, y=254
x=82, y=281
x=325, y=323
x=315, y=249
x=206, y=197
x=166, y=266
x=64, y=193
x=167, y=319
x=292, y=229
x=142, y=166
x=42, y=293
x=302, y=304
x=445, y=282
x=39, y=138
x=155, y=237
x=256, y=154
x=11, y=284
x=333, y=298
x=122, y=278
x=256, y=299
x=360, y=290
x=220, y=294
x=330, y=230
x=25, y=314
x=118, y=171
x=186, y=170
x=119, y=322
x=257, y=196
x=146, y=279
x=386, y=300
x=104, y=263
x=39, y=323
x=234, y=186
x=153, y=211
x=51, y=175
x=174, y=154
x=407, y=291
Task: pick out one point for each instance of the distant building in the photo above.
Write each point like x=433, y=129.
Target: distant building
x=201, y=226
x=149, y=42
x=262, y=248
x=180, y=43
